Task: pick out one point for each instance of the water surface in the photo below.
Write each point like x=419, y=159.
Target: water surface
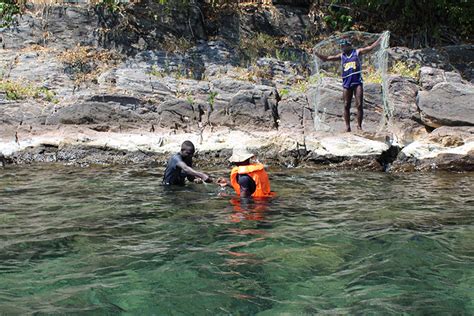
x=111, y=240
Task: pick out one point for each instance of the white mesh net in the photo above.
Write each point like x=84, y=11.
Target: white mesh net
x=374, y=69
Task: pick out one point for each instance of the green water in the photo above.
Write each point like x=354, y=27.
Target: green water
x=98, y=241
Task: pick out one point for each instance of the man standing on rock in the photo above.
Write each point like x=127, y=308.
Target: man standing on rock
x=180, y=167
x=351, y=78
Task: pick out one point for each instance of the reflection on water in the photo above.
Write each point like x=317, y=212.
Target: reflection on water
x=112, y=240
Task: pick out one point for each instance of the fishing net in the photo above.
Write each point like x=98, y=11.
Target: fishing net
x=374, y=69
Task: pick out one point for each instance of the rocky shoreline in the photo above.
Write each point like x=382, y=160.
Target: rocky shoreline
x=89, y=105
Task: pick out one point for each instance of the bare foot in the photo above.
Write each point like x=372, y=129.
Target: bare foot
x=348, y=129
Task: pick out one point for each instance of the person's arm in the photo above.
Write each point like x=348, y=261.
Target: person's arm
x=190, y=171
x=369, y=48
x=328, y=58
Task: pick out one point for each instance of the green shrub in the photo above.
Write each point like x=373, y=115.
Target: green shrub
x=16, y=90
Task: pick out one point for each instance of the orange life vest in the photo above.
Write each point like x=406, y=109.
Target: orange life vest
x=257, y=173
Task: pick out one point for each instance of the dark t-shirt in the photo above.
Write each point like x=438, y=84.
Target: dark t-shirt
x=174, y=175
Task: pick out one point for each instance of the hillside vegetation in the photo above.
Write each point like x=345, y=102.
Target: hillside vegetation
x=413, y=23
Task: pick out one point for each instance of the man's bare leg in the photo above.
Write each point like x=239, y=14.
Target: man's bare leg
x=359, y=99
x=347, y=96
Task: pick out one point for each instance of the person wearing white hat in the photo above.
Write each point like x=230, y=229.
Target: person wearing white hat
x=248, y=179
x=179, y=167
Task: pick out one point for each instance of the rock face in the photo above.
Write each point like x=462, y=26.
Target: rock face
x=447, y=104
x=462, y=58
x=458, y=58
x=61, y=28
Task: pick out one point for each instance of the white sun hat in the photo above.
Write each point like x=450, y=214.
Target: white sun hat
x=240, y=155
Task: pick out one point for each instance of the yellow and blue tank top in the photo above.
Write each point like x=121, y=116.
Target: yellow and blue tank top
x=351, y=69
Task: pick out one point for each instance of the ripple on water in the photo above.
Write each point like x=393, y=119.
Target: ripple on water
x=106, y=240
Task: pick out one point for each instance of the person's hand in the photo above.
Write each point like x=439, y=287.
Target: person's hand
x=209, y=179
x=222, y=182
x=197, y=180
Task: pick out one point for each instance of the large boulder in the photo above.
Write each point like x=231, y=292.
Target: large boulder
x=447, y=148
x=402, y=93
x=253, y=109
x=404, y=124
x=447, y=104
x=293, y=111
x=462, y=58
x=179, y=114
x=429, y=77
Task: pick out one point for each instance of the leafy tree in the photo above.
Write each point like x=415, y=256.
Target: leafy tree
x=8, y=9
x=427, y=21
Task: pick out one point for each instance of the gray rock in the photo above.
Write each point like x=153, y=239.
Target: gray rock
x=449, y=136
x=331, y=106
x=402, y=93
x=149, y=25
x=446, y=148
x=97, y=113
x=447, y=104
x=281, y=21
x=229, y=86
x=24, y=112
x=429, y=77
x=462, y=58
x=282, y=74
x=419, y=57
x=254, y=109
x=179, y=114
x=141, y=83
x=292, y=112
x=404, y=124
x=57, y=26
x=37, y=69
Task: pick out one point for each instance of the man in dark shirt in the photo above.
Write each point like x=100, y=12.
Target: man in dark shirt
x=180, y=167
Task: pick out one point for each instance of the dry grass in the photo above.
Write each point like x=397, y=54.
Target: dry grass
x=371, y=75
x=86, y=63
x=404, y=69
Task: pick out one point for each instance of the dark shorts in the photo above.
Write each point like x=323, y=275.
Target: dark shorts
x=351, y=82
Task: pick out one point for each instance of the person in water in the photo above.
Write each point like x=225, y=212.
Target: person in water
x=248, y=179
x=179, y=167
x=351, y=78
